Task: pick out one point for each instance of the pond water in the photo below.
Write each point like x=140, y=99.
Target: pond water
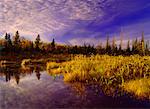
x=34, y=88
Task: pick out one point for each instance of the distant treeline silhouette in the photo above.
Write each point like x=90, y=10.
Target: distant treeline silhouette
x=19, y=45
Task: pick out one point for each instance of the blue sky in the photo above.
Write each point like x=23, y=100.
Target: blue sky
x=76, y=21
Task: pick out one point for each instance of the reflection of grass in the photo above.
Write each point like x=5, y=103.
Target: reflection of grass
x=40, y=60
x=79, y=88
x=32, y=62
x=25, y=62
x=140, y=87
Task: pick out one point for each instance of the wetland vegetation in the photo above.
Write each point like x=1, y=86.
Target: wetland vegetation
x=113, y=71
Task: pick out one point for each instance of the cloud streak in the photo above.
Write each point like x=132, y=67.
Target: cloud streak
x=69, y=19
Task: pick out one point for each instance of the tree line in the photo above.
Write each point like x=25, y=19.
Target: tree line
x=18, y=44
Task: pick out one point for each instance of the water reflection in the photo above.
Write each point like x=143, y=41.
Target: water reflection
x=31, y=87
x=78, y=88
x=9, y=72
x=82, y=89
x=37, y=71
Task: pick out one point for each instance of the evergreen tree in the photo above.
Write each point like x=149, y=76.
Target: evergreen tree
x=37, y=43
x=8, y=42
x=16, y=42
x=53, y=45
x=6, y=36
x=128, y=48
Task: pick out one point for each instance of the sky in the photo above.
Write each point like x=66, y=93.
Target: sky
x=76, y=21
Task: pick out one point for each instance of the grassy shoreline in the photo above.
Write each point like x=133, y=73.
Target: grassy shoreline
x=114, y=71
x=129, y=73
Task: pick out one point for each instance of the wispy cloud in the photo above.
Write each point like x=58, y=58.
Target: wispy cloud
x=70, y=19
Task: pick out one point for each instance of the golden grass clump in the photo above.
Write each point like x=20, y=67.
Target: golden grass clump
x=52, y=65
x=139, y=87
x=83, y=68
x=53, y=68
x=102, y=68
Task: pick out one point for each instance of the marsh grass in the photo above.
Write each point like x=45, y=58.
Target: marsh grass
x=108, y=69
x=53, y=68
x=113, y=72
x=139, y=87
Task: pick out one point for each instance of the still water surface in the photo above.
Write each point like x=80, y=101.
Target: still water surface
x=34, y=88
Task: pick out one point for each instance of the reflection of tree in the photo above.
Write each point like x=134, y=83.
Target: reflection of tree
x=15, y=72
x=37, y=71
x=17, y=77
x=9, y=73
x=8, y=76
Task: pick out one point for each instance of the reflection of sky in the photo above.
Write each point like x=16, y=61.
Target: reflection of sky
x=2, y=79
x=48, y=93
x=71, y=21
x=30, y=92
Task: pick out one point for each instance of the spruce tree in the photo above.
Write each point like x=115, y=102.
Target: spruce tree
x=16, y=42
x=37, y=43
x=128, y=48
x=53, y=44
x=8, y=42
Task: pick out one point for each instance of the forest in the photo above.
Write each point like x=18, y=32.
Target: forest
x=19, y=45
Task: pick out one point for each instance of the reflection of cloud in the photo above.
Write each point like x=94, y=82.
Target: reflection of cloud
x=29, y=81
x=30, y=93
